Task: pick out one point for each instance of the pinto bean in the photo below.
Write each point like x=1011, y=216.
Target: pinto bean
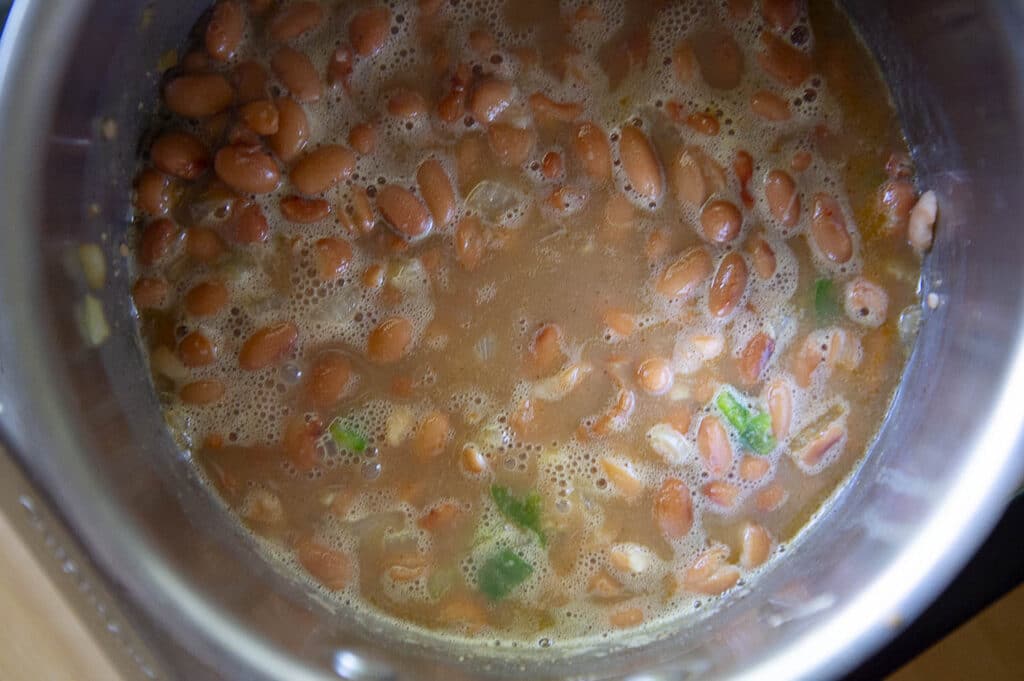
x=292, y=132
x=332, y=256
x=783, y=62
x=829, y=440
x=720, y=59
x=895, y=201
x=728, y=286
x=682, y=278
x=721, y=221
x=267, y=346
x=643, y=170
x=921, y=224
x=770, y=106
x=655, y=376
x=782, y=197
x=828, y=230
x=687, y=177
x=303, y=210
x=150, y=293
x=865, y=302
x=206, y=391
x=545, y=354
x=713, y=446
x=330, y=567
x=327, y=379
x=153, y=193
x=198, y=95
x=297, y=73
x=196, y=350
x=762, y=256
x=204, y=245
x=206, y=298
x=469, y=242
x=754, y=468
x=511, y=145
x=322, y=169
x=673, y=509
x=260, y=116
x=780, y=407
x=684, y=62
x=407, y=104
x=294, y=20
x=771, y=498
x=246, y=169
x=432, y=435
x=757, y=543
x=156, y=242
x=299, y=441
x=362, y=211
x=593, y=150
x=363, y=138
x=404, y=212
x=780, y=14
x=250, y=225
x=754, y=357
x=545, y=107
x=390, y=341
x=551, y=166
x=250, y=79
x=368, y=30
x=490, y=98
x=181, y=154
x=704, y=123
x=436, y=190
x=710, y=574
x=340, y=67
x=224, y=32
x=721, y=494
x=801, y=161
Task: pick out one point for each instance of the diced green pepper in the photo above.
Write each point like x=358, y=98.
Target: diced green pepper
x=525, y=513
x=825, y=305
x=347, y=437
x=754, y=428
x=502, y=572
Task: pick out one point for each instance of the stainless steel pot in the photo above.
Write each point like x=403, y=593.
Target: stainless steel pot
x=83, y=422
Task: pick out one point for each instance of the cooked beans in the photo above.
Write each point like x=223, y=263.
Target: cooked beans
x=770, y=106
x=684, y=63
x=551, y=166
x=780, y=406
x=714, y=447
x=299, y=441
x=260, y=116
x=710, y=574
x=181, y=154
x=206, y=391
x=404, y=212
x=490, y=98
x=436, y=190
x=545, y=107
x=330, y=567
x=511, y=145
x=322, y=169
x=720, y=59
x=150, y=293
x=673, y=509
x=828, y=230
x=268, y=345
x=593, y=151
x=362, y=211
x=783, y=62
x=469, y=242
x=682, y=278
x=332, y=257
x=762, y=256
x=757, y=544
x=865, y=302
x=721, y=221
x=246, y=169
x=655, y=376
x=303, y=210
x=363, y=138
x=407, y=104
x=224, y=32
x=198, y=95
x=431, y=438
x=327, y=379
x=754, y=468
x=206, y=299
x=754, y=358
x=250, y=225
x=728, y=286
x=687, y=177
x=196, y=350
x=153, y=193
x=704, y=123
x=295, y=20
x=390, y=341
x=825, y=443
x=643, y=170
x=721, y=494
x=156, y=242
x=783, y=198
x=250, y=79
x=368, y=30
x=340, y=67
x=297, y=73
x=921, y=224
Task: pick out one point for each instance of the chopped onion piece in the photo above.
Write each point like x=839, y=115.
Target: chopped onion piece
x=496, y=203
x=670, y=444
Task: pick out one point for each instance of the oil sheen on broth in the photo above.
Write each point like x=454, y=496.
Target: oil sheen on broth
x=525, y=320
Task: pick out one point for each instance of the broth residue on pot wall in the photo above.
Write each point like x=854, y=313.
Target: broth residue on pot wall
x=525, y=320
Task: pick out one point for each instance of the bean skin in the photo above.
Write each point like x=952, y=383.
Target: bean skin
x=156, y=242
x=682, y=278
x=770, y=106
x=721, y=221
x=333, y=256
x=390, y=341
x=327, y=379
x=436, y=190
x=250, y=79
x=511, y=145
x=295, y=20
x=322, y=169
x=181, y=154
x=268, y=345
x=260, y=116
x=754, y=358
x=304, y=211
x=198, y=95
x=593, y=151
x=828, y=230
x=368, y=30
x=643, y=170
x=246, y=169
x=206, y=298
x=728, y=286
x=153, y=193
x=783, y=198
x=292, y=131
x=297, y=73
x=363, y=138
x=150, y=293
x=490, y=98
x=721, y=494
x=224, y=32
x=206, y=391
x=783, y=62
x=196, y=350
x=404, y=212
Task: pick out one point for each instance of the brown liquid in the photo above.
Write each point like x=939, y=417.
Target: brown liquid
x=473, y=330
